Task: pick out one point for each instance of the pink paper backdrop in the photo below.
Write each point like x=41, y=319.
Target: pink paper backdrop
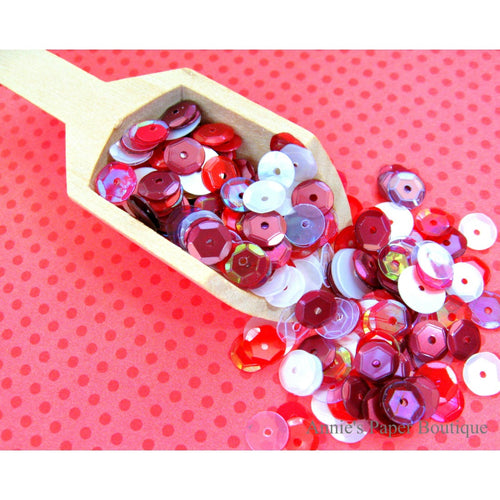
x=103, y=346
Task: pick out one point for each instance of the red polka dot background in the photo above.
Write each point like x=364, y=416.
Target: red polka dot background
x=102, y=346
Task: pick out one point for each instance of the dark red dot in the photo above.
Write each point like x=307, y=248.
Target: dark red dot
x=25, y=421
x=155, y=410
x=175, y=396
x=85, y=433
x=36, y=441
x=200, y=436
x=167, y=430
x=116, y=438
x=124, y=404
x=55, y=427
x=207, y=401
x=105, y=418
x=143, y=391
x=136, y=424
x=187, y=416
x=148, y=444
x=74, y=413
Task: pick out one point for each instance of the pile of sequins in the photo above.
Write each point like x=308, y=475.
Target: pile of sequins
x=372, y=315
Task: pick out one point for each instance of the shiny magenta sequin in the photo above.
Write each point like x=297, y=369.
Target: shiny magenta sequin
x=313, y=192
x=402, y=402
x=116, y=182
x=248, y=265
x=372, y=230
x=365, y=267
x=427, y=341
x=315, y=308
x=180, y=114
x=376, y=360
x=464, y=339
x=433, y=222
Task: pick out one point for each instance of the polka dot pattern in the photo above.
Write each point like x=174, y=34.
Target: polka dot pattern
x=105, y=347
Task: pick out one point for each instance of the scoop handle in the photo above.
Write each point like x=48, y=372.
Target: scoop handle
x=51, y=83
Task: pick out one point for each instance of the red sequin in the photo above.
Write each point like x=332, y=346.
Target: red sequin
x=433, y=222
x=213, y=134
x=217, y=171
x=279, y=141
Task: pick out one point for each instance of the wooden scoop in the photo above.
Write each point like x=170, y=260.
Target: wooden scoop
x=97, y=113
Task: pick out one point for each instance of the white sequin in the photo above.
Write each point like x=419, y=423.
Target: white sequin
x=401, y=219
x=481, y=374
x=291, y=292
x=276, y=166
x=344, y=276
x=479, y=230
x=468, y=283
x=300, y=373
x=264, y=196
x=417, y=295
